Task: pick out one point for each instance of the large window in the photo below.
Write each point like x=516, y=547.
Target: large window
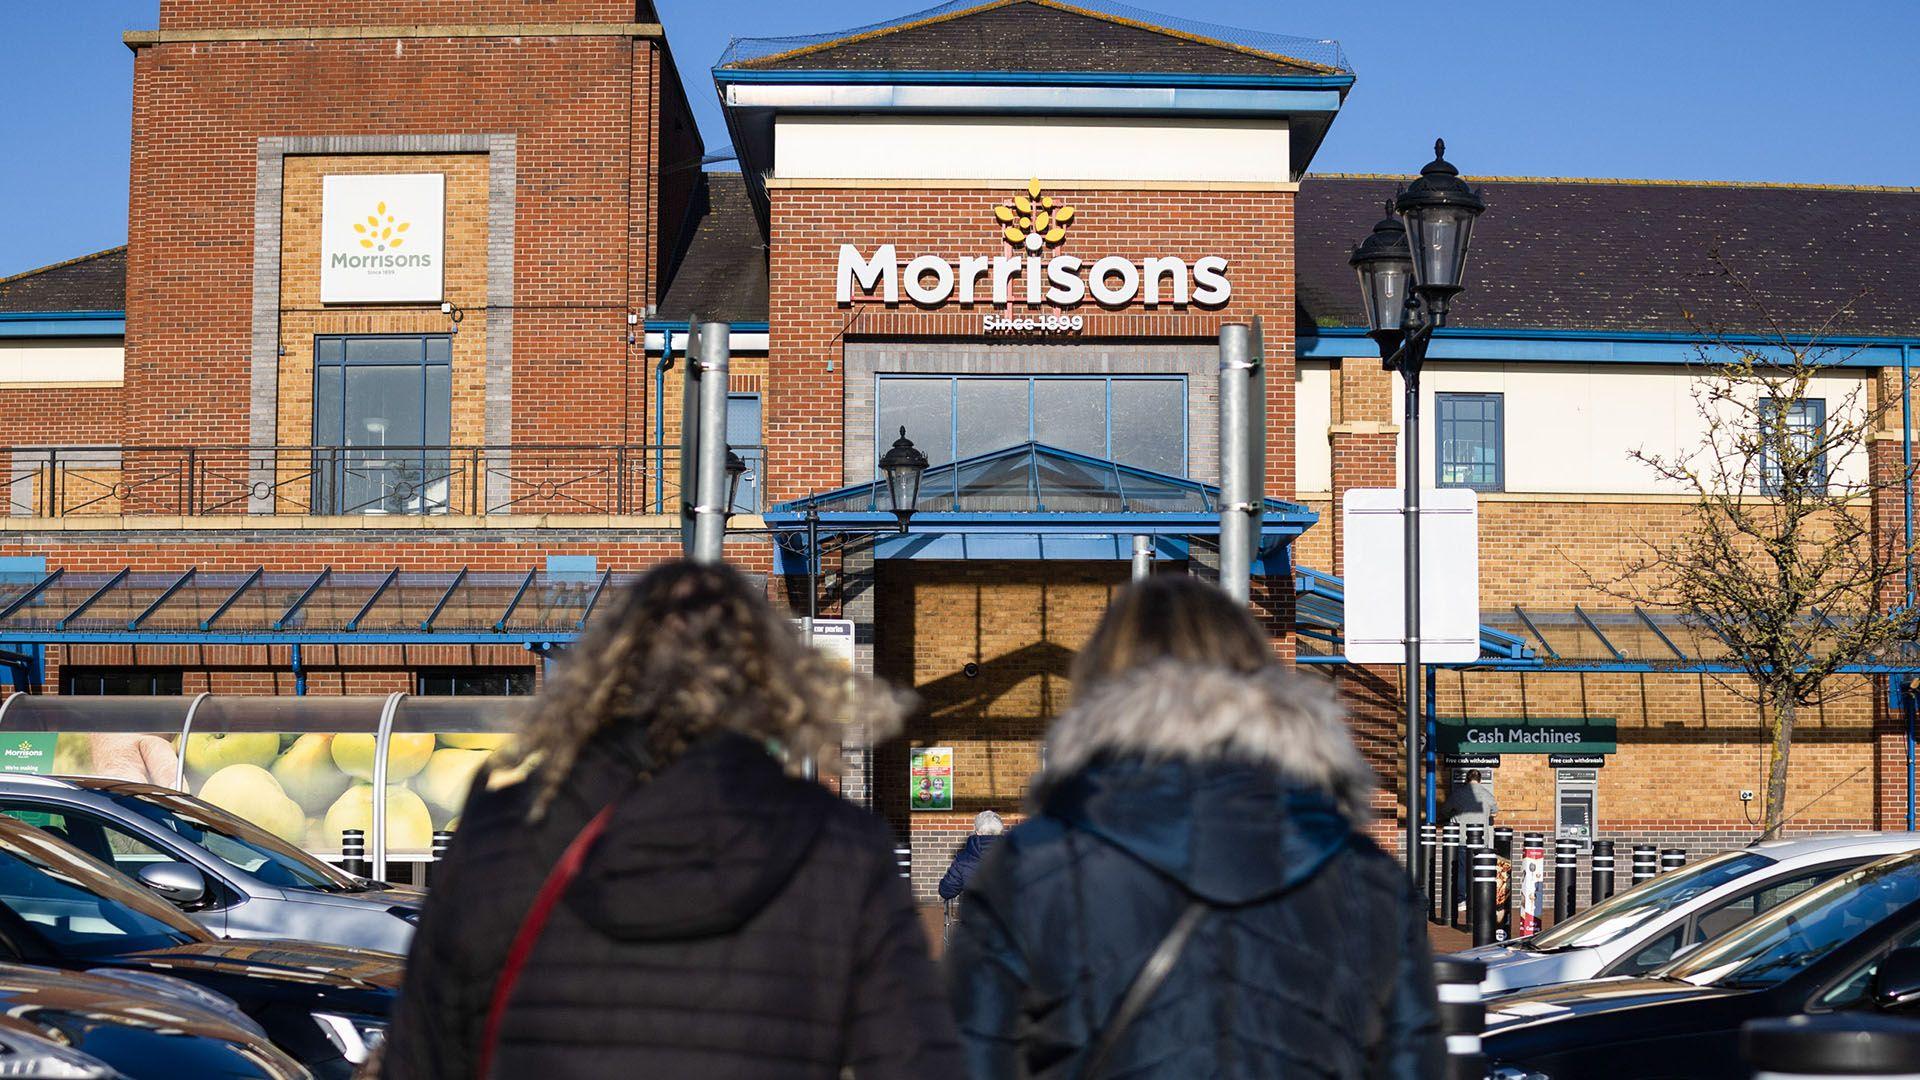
x=476, y=682
x=135, y=682
x=1471, y=441
x=1137, y=420
x=743, y=435
x=382, y=419
x=1805, y=418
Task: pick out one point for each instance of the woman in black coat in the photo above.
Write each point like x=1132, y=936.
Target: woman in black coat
x=730, y=921
x=1194, y=784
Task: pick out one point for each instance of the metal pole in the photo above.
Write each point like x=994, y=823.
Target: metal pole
x=1142, y=557
x=1410, y=371
x=710, y=509
x=1236, y=463
x=690, y=435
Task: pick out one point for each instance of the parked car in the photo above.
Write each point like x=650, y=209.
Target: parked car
x=1848, y=944
x=233, y=877
x=324, y=1005
x=1634, y=932
x=97, y=1027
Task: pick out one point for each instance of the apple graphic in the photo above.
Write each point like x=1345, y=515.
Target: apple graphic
x=406, y=755
x=444, y=782
x=473, y=741
x=307, y=773
x=209, y=752
x=409, y=826
x=251, y=792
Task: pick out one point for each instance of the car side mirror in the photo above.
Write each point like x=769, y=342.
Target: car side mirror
x=1896, y=982
x=177, y=883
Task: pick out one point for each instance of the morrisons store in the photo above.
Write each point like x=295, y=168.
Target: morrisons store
x=415, y=405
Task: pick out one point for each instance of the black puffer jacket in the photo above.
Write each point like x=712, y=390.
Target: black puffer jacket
x=731, y=922
x=1312, y=960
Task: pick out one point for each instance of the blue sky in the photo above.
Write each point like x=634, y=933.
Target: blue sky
x=1668, y=89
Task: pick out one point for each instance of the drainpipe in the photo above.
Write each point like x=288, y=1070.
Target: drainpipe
x=1906, y=494
x=660, y=421
x=299, y=673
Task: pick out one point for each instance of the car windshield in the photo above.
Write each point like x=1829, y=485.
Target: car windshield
x=75, y=908
x=1805, y=930
x=1628, y=911
x=235, y=842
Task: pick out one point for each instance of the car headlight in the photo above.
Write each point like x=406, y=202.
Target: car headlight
x=356, y=1037
x=1510, y=1072
x=25, y=1056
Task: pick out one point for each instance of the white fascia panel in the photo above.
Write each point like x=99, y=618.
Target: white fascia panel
x=52, y=360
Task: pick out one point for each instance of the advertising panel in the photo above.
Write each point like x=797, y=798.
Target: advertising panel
x=382, y=238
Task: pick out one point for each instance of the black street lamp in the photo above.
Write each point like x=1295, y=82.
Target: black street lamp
x=1425, y=248
x=903, y=464
x=736, y=468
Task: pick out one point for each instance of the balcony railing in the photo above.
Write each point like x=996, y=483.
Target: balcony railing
x=206, y=481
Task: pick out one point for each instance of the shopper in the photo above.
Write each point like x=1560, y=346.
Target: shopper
x=1201, y=809
x=1471, y=803
x=729, y=920
x=987, y=828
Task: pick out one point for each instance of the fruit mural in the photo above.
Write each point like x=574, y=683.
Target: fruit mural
x=307, y=789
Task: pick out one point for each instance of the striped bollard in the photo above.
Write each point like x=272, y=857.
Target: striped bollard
x=1646, y=863
x=1449, y=853
x=1474, y=843
x=1842, y=1044
x=1486, y=880
x=353, y=852
x=1566, y=877
x=1602, y=871
x=903, y=859
x=1463, y=1016
x=440, y=841
x=1429, y=841
x=1672, y=859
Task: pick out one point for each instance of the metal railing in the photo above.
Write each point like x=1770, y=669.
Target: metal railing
x=205, y=481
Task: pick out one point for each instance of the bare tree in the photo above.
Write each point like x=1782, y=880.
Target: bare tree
x=1779, y=559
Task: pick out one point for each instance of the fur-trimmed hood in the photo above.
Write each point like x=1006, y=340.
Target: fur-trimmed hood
x=1237, y=786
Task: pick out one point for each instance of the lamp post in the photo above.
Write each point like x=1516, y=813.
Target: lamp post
x=736, y=468
x=903, y=464
x=1410, y=268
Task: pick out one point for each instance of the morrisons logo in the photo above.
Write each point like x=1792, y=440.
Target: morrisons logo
x=388, y=261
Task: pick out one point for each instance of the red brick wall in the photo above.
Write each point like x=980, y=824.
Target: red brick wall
x=60, y=416
x=255, y=14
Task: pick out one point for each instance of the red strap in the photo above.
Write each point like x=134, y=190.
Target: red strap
x=548, y=898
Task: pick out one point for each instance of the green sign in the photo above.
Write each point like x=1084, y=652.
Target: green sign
x=1529, y=735
x=932, y=776
x=27, y=752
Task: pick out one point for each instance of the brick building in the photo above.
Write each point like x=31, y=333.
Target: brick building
x=342, y=456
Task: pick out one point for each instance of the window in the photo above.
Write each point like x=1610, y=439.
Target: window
x=129, y=682
x=109, y=843
x=1805, y=418
x=382, y=419
x=1722, y=918
x=743, y=435
x=1135, y=420
x=1472, y=441
x=476, y=682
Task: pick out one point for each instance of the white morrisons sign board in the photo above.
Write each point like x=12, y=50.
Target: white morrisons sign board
x=1062, y=280
x=382, y=238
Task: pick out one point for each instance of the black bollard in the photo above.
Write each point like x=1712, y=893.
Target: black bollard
x=1474, y=840
x=1462, y=1015
x=1566, y=877
x=440, y=842
x=1836, y=1044
x=1429, y=842
x=903, y=858
x=1503, y=891
x=1486, y=880
x=353, y=853
x=1602, y=871
x=1646, y=863
x=1672, y=859
x=1449, y=851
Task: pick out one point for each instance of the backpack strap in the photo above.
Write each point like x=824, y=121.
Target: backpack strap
x=524, y=939
x=1146, y=983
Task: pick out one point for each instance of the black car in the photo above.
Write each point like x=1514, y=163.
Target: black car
x=59, y=1023
x=325, y=1005
x=1852, y=943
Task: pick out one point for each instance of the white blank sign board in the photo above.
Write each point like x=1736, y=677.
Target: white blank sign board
x=1374, y=550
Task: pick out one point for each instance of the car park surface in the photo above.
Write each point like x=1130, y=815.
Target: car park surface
x=253, y=884
x=1646, y=927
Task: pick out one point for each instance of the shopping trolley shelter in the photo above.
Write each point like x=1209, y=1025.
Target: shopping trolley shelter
x=383, y=397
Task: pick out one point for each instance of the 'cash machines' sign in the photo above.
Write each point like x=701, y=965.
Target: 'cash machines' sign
x=382, y=238
x=1531, y=735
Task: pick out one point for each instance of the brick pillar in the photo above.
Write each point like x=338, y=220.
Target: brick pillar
x=1886, y=459
x=1363, y=435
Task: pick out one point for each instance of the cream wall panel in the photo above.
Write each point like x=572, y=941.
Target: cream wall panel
x=1057, y=151
x=61, y=360
x=1313, y=412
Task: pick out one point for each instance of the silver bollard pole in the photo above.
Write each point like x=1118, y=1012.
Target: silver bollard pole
x=1236, y=461
x=710, y=508
x=1142, y=557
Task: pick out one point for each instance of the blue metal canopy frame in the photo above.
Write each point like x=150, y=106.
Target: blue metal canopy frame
x=1031, y=501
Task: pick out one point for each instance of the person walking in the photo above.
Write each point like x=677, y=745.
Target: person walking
x=1471, y=803
x=1193, y=895
x=987, y=828
x=648, y=892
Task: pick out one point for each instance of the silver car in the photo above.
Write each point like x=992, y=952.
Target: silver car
x=234, y=878
x=1641, y=929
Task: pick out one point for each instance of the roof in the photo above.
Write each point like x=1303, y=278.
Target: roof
x=96, y=282
x=1625, y=255
x=1042, y=35
x=722, y=273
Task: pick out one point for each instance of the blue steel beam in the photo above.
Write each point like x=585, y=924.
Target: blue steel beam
x=501, y=622
x=378, y=592
x=306, y=594
x=178, y=584
x=1678, y=652
x=600, y=587
x=103, y=590
x=427, y=623
x=1588, y=620
x=1535, y=631
x=27, y=597
x=207, y=623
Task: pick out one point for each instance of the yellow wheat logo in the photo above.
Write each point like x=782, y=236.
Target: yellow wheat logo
x=1033, y=220
x=380, y=232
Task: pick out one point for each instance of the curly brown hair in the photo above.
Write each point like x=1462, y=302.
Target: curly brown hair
x=688, y=650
